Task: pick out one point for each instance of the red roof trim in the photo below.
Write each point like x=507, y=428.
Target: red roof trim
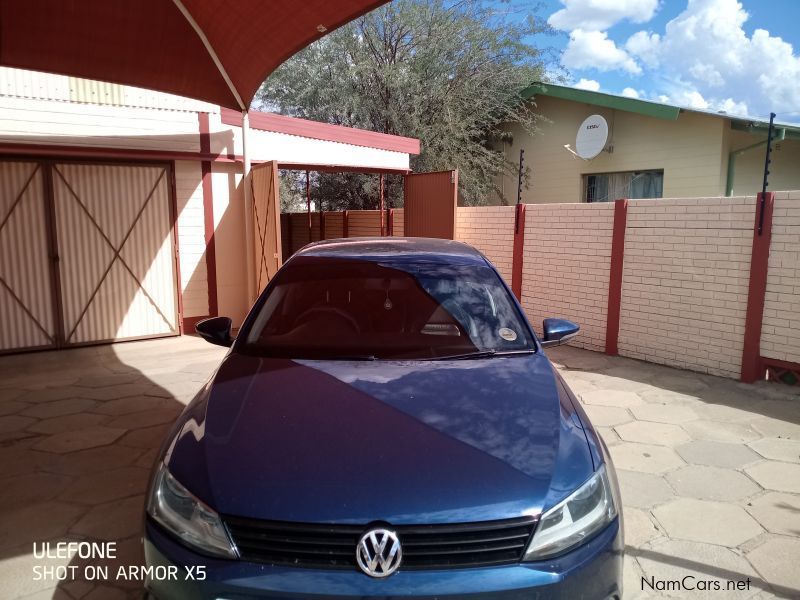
x=339, y=168
x=266, y=121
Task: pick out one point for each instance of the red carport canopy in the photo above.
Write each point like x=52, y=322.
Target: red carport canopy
x=213, y=50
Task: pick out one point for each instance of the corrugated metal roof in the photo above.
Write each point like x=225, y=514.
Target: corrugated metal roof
x=20, y=83
x=649, y=108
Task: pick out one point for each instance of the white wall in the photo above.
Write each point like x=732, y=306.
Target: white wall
x=191, y=238
x=229, y=240
x=52, y=122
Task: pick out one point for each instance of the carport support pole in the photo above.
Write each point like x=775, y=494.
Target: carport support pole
x=308, y=205
x=248, y=211
x=383, y=230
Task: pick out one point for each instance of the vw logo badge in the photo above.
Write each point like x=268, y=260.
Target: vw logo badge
x=378, y=552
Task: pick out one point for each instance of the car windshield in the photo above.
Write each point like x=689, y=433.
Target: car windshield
x=334, y=308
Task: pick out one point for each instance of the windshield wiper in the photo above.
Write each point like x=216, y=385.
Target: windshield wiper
x=484, y=354
x=354, y=358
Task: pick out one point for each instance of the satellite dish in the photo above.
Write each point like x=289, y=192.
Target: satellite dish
x=592, y=137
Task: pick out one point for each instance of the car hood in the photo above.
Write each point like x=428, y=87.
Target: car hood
x=396, y=441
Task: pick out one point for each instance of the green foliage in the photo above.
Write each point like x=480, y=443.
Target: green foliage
x=448, y=73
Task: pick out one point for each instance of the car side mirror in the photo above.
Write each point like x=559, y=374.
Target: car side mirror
x=558, y=331
x=216, y=330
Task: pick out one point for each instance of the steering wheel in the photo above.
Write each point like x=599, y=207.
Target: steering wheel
x=327, y=311
x=458, y=313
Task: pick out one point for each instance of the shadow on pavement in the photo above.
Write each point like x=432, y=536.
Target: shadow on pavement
x=78, y=437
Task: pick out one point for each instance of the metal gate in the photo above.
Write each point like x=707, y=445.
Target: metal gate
x=430, y=204
x=88, y=253
x=266, y=221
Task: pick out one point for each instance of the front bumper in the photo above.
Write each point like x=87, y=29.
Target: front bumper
x=591, y=572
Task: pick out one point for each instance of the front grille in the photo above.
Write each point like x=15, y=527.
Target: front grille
x=424, y=546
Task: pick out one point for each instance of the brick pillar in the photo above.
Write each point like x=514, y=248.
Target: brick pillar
x=519, y=251
x=752, y=366
x=615, y=276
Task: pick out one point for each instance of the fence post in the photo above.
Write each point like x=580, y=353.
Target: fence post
x=519, y=251
x=289, y=241
x=322, y=225
x=344, y=224
x=752, y=366
x=390, y=222
x=615, y=276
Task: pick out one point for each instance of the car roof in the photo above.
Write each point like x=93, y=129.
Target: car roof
x=407, y=249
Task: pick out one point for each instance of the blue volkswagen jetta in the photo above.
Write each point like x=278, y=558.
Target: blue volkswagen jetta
x=385, y=425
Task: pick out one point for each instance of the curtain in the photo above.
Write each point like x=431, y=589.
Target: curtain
x=608, y=187
x=647, y=184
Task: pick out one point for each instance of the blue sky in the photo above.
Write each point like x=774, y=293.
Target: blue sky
x=739, y=56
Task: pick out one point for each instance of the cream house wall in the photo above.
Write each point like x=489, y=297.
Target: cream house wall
x=689, y=150
x=749, y=167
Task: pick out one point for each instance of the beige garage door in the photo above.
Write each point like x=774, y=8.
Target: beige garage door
x=107, y=272
x=27, y=312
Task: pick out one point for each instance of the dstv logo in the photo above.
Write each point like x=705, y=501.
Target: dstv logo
x=593, y=126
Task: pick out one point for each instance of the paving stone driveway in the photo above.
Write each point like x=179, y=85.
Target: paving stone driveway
x=78, y=435
x=709, y=468
x=709, y=471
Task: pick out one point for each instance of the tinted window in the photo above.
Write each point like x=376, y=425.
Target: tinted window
x=337, y=309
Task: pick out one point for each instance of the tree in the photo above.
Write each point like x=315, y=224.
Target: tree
x=448, y=73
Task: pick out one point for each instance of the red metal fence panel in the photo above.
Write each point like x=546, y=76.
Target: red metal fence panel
x=430, y=204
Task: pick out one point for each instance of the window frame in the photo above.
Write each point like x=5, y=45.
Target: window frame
x=585, y=182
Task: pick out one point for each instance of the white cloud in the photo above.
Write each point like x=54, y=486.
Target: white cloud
x=685, y=94
x=709, y=61
x=645, y=47
x=701, y=71
x=588, y=84
x=593, y=50
x=689, y=98
x=629, y=92
x=597, y=15
x=730, y=106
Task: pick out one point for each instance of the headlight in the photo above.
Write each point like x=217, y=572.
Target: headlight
x=186, y=516
x=573, y=520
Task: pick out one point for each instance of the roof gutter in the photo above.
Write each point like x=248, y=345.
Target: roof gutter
x=780, y=134
x=633, y=105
